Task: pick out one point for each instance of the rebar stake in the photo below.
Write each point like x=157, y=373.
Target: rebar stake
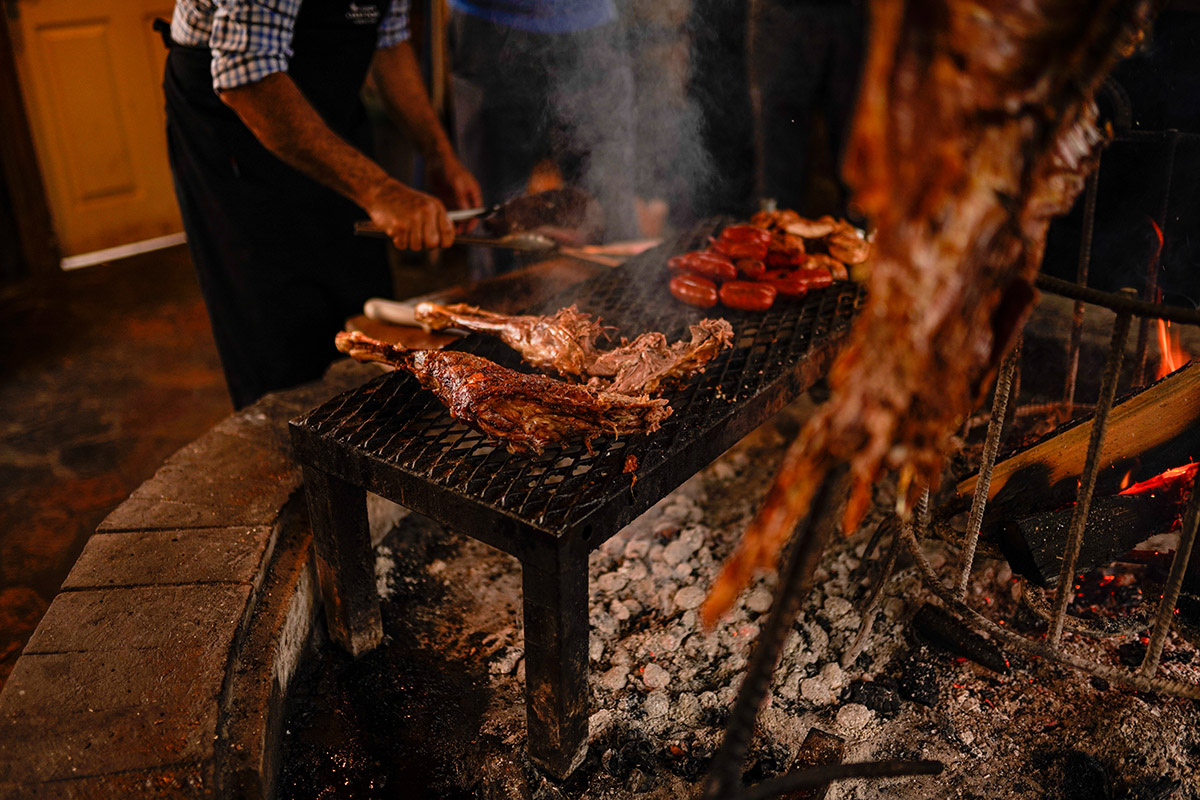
x=724, y=778
x=1081, y=277
x=1091, y=468
x=991, y=448
x=1179, y=565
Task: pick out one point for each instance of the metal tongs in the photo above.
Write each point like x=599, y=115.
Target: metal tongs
x=521, y=241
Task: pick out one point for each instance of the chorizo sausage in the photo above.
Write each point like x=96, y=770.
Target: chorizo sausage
x=709, y=265
x=747, y=295
x=745, y=233
x=752, y=269
x=694, y=290
x=741, y=249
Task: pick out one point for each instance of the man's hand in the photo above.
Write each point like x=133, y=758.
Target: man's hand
x=455, y=182
x=287, y=125
x=412, y=220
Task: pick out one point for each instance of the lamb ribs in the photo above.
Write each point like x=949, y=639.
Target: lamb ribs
x=565, y=342
x=525, y=412
x=975, y=125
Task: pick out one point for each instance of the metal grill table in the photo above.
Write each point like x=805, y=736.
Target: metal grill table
x=393, y=438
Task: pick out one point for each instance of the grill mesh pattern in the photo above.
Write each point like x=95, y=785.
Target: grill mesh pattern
x=393, y=420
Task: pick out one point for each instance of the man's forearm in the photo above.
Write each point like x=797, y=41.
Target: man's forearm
x=283, y=120
x=402, y=90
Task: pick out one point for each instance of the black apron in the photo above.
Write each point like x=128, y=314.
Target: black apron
x=274, y=250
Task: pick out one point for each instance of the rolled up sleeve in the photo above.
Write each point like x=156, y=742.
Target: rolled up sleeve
x=394, y=28
x=250, y=40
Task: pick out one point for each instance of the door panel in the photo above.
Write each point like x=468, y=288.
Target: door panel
x=91, y=74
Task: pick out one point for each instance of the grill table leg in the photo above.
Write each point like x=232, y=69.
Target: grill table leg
x=556, y=645
x=345, y=560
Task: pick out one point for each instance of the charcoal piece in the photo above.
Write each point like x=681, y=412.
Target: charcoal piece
x=1158, y=789
x=1132, y=653
x=877, y=696
x=1034, y=543
x=939, y=627
x=818, y=749
x=921, y=678
x=636, y=752
x=1075, y=775
x=769, y=762
x=687, y=764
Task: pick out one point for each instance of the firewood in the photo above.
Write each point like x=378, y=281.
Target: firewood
x=1034, y=543
x=1148, y=432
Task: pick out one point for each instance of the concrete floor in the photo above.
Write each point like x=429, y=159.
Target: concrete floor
x=102, y=376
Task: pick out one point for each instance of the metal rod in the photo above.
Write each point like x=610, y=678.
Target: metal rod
x=873, y=604
x=1150, y=294
x=991, y=448
x=819, y=776
x=1039, y=649
x=1166, y=606
x=1081, y=278
x=804, y=554
x=1116, y=302
x=1091, y=467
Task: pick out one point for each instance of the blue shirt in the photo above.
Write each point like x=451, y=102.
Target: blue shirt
x=251, y=39
x=541, y=16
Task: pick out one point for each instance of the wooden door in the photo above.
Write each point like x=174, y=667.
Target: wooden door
x=91, y=74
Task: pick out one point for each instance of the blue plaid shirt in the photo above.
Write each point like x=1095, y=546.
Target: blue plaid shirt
x=251, y=39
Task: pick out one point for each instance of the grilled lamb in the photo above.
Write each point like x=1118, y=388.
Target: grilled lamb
x=524, y=412
x=648, y=363
x=975, y=125
x=565, y=342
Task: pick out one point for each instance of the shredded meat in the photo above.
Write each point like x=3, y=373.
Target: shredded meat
x=648, y=363
x=524, y=412
x=975, y=125
x=565, y=342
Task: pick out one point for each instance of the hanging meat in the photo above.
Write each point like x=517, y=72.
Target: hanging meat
x=565, y=342
x=524, y=412
x=975, y=125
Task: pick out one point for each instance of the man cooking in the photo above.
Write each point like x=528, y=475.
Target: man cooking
x=268, y=143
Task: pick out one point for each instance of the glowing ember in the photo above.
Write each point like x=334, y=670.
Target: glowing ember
x=1174, y=478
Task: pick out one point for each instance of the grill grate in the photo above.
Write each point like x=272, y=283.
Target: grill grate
x=398, y=437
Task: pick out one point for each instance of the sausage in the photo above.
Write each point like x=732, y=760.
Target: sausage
x=756, y=250
x=787, y=283
x=747, y=295
x=745, y=233
x=709, y=265
x=815, y=278
x=694, y=290
x=751, y=268
x=782, y=259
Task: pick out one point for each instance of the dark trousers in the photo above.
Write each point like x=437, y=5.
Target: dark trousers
x=521, y=97
x=804, y=58
x=274, y=251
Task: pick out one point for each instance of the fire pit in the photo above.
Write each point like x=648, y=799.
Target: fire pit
x=394, y=439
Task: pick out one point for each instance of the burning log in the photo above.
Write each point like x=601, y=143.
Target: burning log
x=1034, y=543
x=1148, y=433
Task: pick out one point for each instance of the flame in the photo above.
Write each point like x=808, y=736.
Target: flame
x=1127, y=480
x=1183, y=473
x=1173, y=354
